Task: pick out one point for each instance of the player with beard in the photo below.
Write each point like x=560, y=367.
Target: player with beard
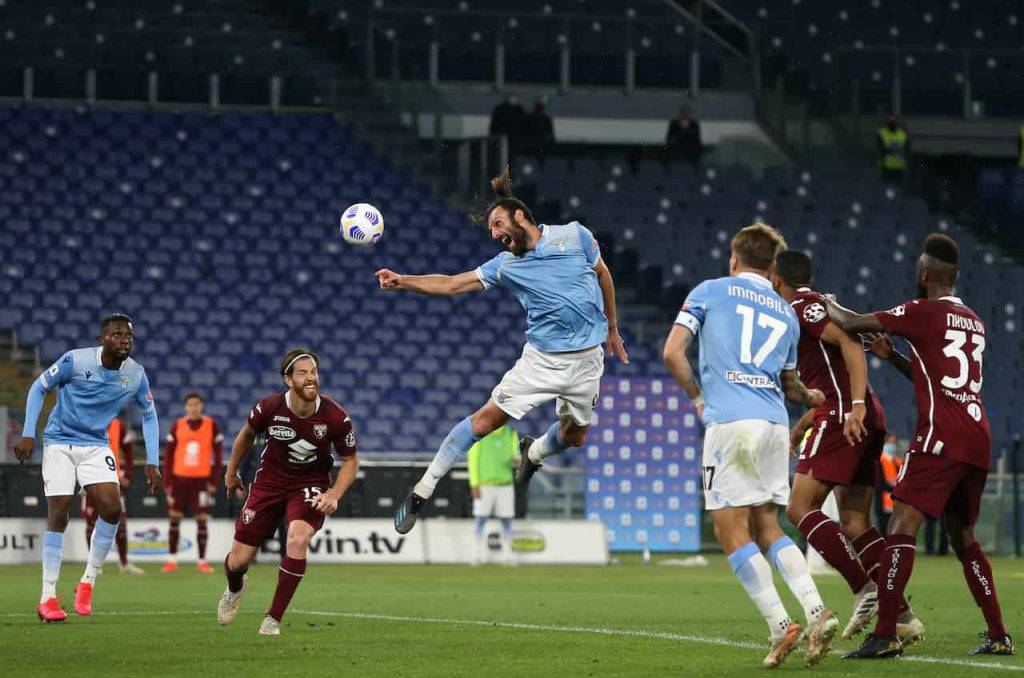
x=557, y=274
x=946, y=468
x=293, y=481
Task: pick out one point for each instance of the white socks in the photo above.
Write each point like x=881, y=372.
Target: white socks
x=790, y=562
x=755, y=574
x=102, y=539
x=53, y=553
x=455, y=445
x=548, y=444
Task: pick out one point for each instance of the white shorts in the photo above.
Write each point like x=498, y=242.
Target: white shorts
x=746, y=463
x=64, y=464
x=496, y=501
x=573, y=379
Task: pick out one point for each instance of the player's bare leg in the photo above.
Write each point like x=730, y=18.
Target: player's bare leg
x=733, y=531
x=822, y=624
x=236, y=564
x=290, y=574
x=484, y=421
x=562, y=435
x=173, y=538
x=202, y=535
x=57, y=510
x=107, y=497
x=897, y=565
x=981, y=582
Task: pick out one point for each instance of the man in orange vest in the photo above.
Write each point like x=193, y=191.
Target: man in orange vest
x=192, y=464
x=891, y=463
x=124, y=462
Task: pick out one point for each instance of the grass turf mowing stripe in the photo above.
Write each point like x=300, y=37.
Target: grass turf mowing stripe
x=526, y=626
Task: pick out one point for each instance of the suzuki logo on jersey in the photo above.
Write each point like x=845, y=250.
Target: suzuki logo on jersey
x=814, y=313
x=281, y=432
x=320, y=430
x=302, y=451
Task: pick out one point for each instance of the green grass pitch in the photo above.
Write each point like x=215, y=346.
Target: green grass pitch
x=420, y=621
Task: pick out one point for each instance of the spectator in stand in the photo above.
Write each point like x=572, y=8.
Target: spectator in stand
x=509, y=119
x=891, y=461
x=893, y=146
x=540, y=131
x=683, y=142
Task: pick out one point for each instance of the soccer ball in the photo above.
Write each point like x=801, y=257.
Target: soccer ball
x=362, y=225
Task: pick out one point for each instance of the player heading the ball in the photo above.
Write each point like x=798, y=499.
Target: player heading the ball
x=95, y=384
x=557, y=274
x=293, y=482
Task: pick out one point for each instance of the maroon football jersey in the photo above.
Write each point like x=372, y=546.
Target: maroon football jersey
x=821, y=364
x=947, y=343
x=298, y=450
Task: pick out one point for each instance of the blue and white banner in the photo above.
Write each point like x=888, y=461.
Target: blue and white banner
x=643, y=466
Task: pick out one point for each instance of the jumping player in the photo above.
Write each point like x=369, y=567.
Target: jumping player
x=193, y=461
x=748, y=359
x=293, y=481
x=96, y=383
x=124, y=459
x=557, y=274
x=947, y=465
x=841, y=454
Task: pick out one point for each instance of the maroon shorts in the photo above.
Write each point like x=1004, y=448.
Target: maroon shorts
x=937, y=485
x=826, y=455
x=183, y=492
x=267, y=504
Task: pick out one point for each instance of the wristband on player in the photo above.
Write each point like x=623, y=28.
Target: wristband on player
x=857, y=402
x=698, y=400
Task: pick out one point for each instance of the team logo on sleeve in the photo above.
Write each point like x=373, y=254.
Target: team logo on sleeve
x=247, y=516
x=350, y=439
x=814, y=313
x=899, y=311
x=320, y=430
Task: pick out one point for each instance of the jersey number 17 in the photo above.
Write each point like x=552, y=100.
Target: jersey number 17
x=777, y=327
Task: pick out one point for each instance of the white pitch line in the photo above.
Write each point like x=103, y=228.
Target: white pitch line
x=525, y=626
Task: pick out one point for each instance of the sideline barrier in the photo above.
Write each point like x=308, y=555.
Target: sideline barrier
x=342, y=540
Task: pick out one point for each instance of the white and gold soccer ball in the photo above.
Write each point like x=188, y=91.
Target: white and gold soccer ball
x=362, y=225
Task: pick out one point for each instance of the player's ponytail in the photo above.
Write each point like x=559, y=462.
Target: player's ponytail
x=502, y=184
x=502, y=187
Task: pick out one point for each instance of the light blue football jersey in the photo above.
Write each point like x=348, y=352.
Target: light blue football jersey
x=748, y=335
x=557, y=286
x=90, y=397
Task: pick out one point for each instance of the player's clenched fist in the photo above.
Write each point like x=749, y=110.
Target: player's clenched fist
x=388, y=279
x=326, y=503
x=233, y=485
x=23, y=448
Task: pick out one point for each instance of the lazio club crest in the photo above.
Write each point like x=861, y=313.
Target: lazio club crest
x=126, y=382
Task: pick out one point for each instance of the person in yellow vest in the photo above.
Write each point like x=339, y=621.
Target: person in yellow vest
x=124, y=464
x=1020, y=147
x=491, y=462
x=893, y=147
x=193, y=462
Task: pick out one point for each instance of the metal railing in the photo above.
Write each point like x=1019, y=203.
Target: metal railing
x=387, y=52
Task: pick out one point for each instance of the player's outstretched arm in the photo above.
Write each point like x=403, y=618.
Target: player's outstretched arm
x=243, y=443
x=435, y=284
x=796, y=392
x=881, y=346
x=679, y=340
x=604, y=280
x=57, y=374
x=848, y=321
x=327, y=503
x=857, y=366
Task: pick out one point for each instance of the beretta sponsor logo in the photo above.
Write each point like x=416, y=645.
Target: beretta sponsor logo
x=281, y=432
